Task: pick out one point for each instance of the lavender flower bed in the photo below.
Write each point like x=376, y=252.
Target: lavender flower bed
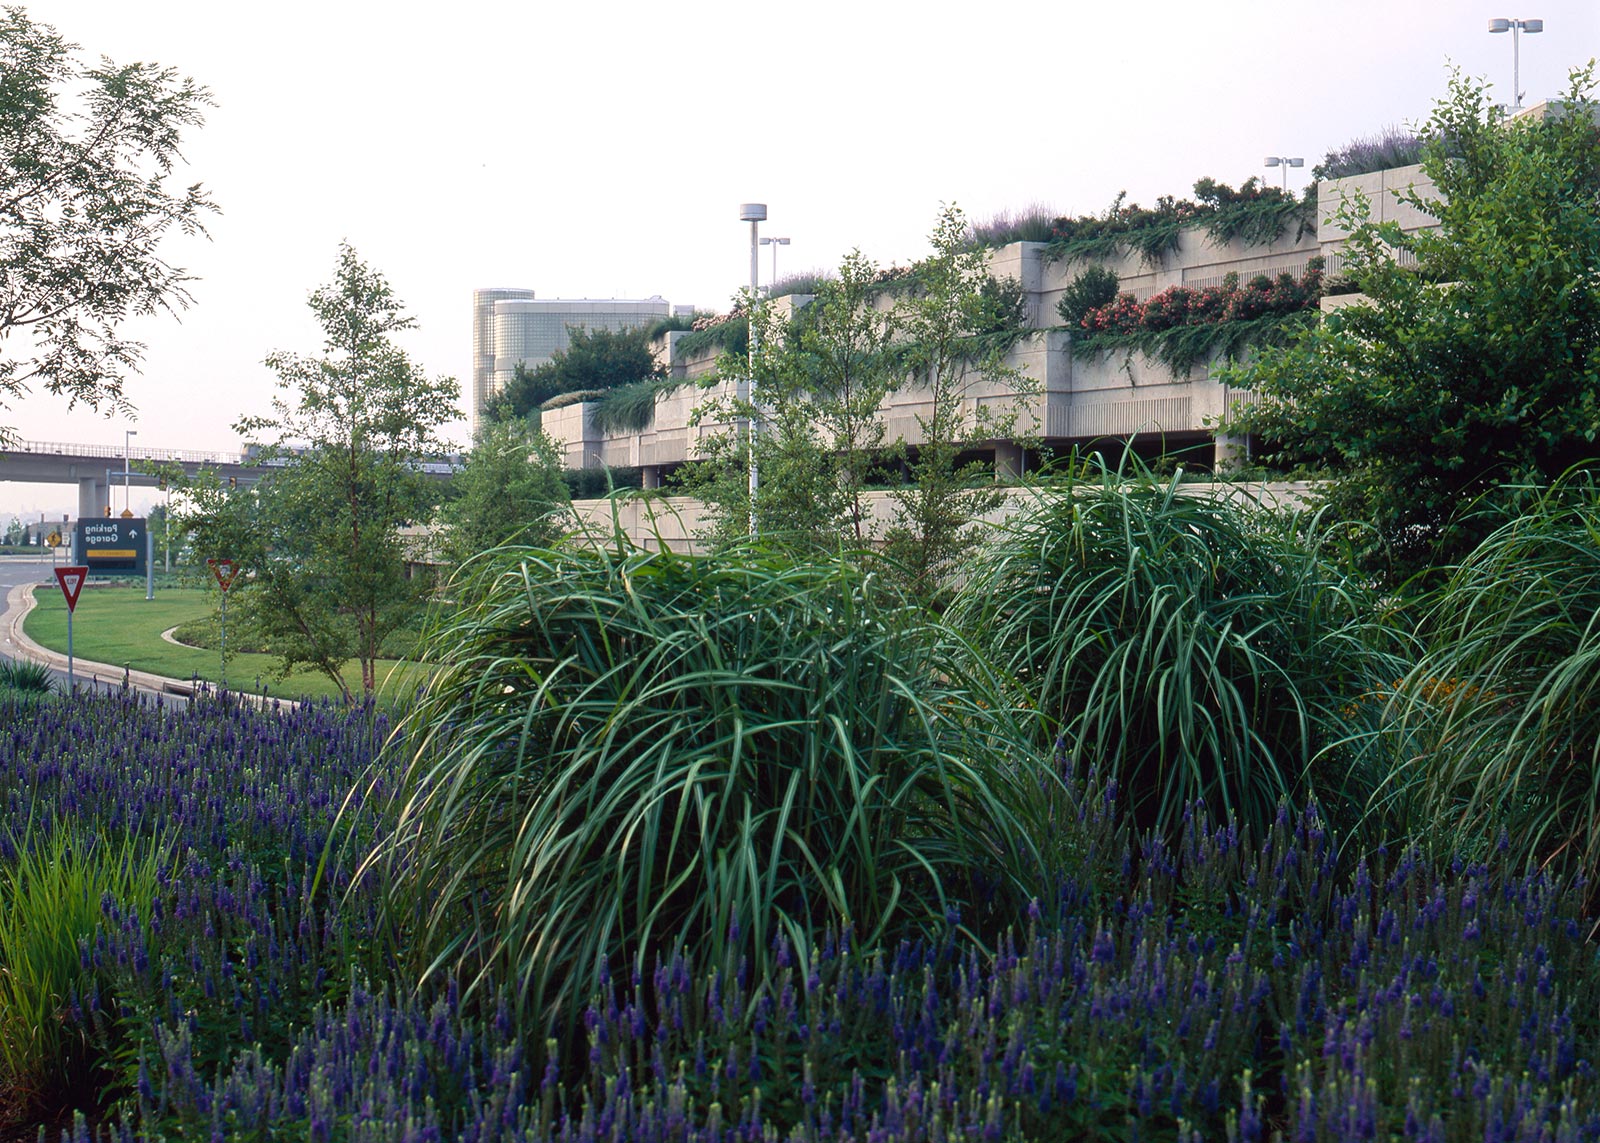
x=1217, y=989
x=234, y=948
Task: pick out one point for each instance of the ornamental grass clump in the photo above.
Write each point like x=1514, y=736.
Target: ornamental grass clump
x=53, y=891
x=627, y=753
x=1195, y=647
x=25, y=678
x=1500, y=717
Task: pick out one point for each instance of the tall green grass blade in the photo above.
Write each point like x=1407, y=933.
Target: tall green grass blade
x=1501, y=716
x=626, y=753
x=51, y=898
x=1194, y=647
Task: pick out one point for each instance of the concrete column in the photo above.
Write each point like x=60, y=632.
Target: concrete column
x=1232, y=451
x=652, y=475
x=1007, y=461
x=94, y=495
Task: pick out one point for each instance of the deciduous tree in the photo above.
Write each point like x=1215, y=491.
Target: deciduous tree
x=1475, y=362
x=594, y=361
x=800, y=503
x=87, y=200
x=319, y=537
x=954, y=323
x=509, y=490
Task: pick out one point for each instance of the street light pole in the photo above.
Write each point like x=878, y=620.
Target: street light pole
x=127, y=437
x=1516, y=28
x=755, y=213
x=774, y=243
x=1284, y=162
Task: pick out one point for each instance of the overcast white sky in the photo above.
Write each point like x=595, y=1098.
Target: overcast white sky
x=602, y=149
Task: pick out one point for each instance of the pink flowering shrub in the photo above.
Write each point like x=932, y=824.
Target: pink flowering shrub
x=1179, y=305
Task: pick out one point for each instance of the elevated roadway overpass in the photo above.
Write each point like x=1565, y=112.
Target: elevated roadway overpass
x=97, y=469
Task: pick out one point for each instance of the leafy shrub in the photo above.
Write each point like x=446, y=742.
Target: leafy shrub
x=666, y=325
x=1003, y=307
x=628, y=753
x=1196, y=648
x=729, y=333
x=1255, y=214
x=1180, y=305
x=1093, y=288
x=594, y=361
x=1180, y=326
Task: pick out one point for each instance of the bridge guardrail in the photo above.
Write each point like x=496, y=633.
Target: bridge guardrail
x=116, y=452
x=447, y=466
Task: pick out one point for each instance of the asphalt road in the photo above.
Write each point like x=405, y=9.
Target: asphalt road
x=16, y=570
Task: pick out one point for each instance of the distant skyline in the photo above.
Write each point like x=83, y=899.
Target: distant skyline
x=603, y=151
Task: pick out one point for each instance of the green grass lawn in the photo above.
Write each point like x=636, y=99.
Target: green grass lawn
x=117, y=625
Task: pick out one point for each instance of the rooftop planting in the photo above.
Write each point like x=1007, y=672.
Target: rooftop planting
x=1254, y=215
x=1180, y=326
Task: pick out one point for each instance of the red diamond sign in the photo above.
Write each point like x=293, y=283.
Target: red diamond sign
x=71, y=581
x=224, y=570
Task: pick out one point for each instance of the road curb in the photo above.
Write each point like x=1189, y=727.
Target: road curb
x=20, y=601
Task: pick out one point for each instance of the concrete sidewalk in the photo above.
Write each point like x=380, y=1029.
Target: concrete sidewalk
x=20, y=601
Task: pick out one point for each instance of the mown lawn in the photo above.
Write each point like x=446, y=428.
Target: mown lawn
x=118, y=625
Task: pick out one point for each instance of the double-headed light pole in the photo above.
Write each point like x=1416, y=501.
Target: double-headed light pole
x=755, y=213
x=774, y=243
x=1516, y=28
x=1285, y=162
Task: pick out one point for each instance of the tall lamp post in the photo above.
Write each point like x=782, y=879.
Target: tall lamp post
x=755, y=213
x=774, y=243
x=1516, y=28
x=127, y=438
x=1284, y=162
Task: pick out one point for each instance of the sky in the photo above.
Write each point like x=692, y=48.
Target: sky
x=601, y=150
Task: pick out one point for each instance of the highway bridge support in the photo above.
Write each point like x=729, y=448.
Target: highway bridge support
x=94, y=496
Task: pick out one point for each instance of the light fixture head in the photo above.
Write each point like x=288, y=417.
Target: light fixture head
x=1297, y=162
x=1272, y=161
x=752, y=212
x=1497, y=26
x=1531, y=26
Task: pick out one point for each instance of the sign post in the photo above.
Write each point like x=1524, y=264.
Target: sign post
x=224, y=570
x=71, y=581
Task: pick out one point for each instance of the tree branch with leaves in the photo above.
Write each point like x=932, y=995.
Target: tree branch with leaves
x=87, y=202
